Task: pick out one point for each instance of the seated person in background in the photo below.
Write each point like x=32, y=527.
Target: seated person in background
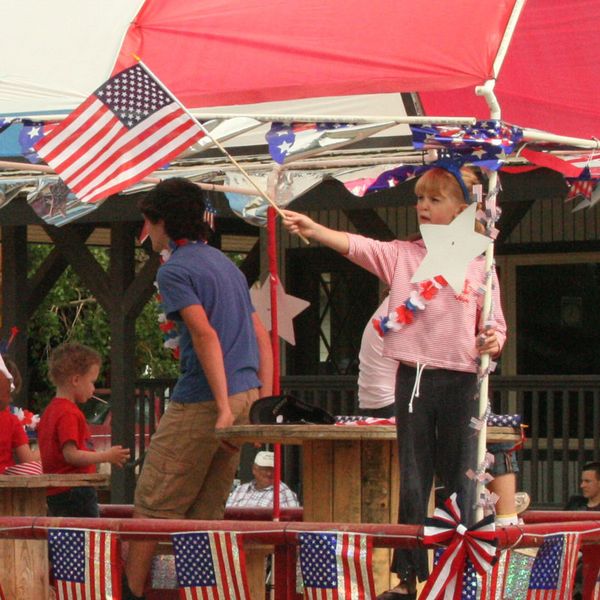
x=376, y=373
x=63, y=434
x=590, y=488
x=259, y=491
x=13, y=439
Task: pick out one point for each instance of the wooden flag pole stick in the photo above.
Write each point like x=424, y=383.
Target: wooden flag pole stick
x=218, y=145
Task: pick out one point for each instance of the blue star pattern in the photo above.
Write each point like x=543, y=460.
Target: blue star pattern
x=504, y=420
x=318, y=560
x=133, y=95
x=194, y=560
x=486, y=144
x=286, y=140
x=30, y=133
x=67, y=554
x=547, y=565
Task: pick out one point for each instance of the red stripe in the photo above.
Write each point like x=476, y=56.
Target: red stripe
x=343, y=541
x=141, y=132
x=139, y=174
x=121, y=167
x=70, y=145
x=79, y=152
x=231, y=563
x=41, y=144
x=90, y=541
x=222, y=569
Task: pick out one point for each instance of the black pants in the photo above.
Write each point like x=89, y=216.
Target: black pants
x=76, y=502
x=433, y=439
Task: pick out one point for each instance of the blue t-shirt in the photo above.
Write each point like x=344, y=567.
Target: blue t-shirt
x=197, y=273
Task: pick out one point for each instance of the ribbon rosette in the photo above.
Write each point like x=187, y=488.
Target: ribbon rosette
x=478, y=543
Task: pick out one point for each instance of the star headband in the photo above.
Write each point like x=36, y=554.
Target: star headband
x=452, y=165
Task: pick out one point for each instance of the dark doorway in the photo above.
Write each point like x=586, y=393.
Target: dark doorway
x=558, y=319
x=342, y=298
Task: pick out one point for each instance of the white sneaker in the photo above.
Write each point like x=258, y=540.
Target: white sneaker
x=522, y=501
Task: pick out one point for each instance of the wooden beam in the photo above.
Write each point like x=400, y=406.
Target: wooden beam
x=15, y=294
x=122, y=356
x=68, y=240
x=142, y=288
x=370, y=224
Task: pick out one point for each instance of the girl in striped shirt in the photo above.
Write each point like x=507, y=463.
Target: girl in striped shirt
x=436, y=349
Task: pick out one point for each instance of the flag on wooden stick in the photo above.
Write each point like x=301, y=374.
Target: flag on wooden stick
x=130, y=126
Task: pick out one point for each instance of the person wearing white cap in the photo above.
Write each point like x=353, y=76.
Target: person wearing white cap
x=259, y=491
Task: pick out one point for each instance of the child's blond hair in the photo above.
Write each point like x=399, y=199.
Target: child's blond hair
x=69, y=359
x=440, y=181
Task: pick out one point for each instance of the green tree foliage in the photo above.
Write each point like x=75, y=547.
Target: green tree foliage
x=71, y=312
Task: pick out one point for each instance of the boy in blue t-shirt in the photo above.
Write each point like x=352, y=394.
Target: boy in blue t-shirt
x=226, y=364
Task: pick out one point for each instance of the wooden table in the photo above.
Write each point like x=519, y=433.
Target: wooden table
x=24, y=563
x=350, y=473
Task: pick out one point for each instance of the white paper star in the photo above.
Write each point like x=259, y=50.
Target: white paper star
x=450, y=249
x=287, y=308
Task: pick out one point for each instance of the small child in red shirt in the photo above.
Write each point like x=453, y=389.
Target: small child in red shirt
x=13, y=439
x=63, y=435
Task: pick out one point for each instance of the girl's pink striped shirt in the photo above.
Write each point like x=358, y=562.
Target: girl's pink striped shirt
x=444, y=334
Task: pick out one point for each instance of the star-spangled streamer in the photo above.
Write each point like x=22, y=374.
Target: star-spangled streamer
x=485, y=144
x=478, y=543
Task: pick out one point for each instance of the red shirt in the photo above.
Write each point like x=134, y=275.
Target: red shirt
x=12, y=435
x=62, y=422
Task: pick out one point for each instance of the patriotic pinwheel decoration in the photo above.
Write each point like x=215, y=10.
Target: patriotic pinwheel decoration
x=477, y=543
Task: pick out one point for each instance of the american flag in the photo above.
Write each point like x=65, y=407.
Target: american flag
x=85, y=564
x=210, y=565
x=337, y=566
x=553, y=570
x=126, y=129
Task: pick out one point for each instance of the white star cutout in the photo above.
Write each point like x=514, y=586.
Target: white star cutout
x=287, y=308
x=450, y=249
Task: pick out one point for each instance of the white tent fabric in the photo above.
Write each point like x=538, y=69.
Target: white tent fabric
x=56, y=53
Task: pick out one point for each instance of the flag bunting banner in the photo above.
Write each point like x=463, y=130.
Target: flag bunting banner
x=553, y=571
x=484, y=144
x=85, y=564
x=129, y=127
x=293, y=141
x=336, y=566
x=210, y=565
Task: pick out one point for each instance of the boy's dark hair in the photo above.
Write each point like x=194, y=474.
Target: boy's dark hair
x=11, y=365
x=180, y=204
x=592, y=466
x=71, y=358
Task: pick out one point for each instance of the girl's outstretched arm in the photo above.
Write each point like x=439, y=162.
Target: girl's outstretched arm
x=300, y=224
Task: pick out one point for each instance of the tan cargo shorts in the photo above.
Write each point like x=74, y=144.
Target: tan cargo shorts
x=188, y=472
